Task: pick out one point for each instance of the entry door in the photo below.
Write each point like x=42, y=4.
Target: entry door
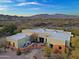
x=41, y=40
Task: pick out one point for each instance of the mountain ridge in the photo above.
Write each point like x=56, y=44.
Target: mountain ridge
x=65, y=16
x=43, y=16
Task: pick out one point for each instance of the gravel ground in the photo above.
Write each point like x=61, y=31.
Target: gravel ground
x=35, y=52
x=12, y=55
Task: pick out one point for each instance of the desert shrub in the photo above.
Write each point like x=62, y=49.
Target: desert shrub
x=47, y=51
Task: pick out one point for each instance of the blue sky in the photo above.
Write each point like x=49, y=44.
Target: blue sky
x=33, y=7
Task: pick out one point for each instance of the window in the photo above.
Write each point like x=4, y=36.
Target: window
x=9, y=43
x=60, y=47
x=41, y=40
x=51, y=45
x=13, y=44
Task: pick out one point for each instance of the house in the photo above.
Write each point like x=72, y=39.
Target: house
x=56, y=39
x=18, y=40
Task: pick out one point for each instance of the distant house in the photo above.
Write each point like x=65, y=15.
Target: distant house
x=18, y=40
x=56, y=39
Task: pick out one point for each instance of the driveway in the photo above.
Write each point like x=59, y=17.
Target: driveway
x=35, y=52
x=12, y=55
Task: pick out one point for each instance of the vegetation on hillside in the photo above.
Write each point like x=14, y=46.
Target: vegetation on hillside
x=8, y=30
x=34, y=37
x=47, y=51
x=75, y=48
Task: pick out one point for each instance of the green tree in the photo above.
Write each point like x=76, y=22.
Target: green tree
x=9, y=29
x=34, y=37
x=47, y=51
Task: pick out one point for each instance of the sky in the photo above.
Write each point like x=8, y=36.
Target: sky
x=33, y=7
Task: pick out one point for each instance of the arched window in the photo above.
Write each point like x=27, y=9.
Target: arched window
x=13, y=44
x=9, y=43
x=60, y=47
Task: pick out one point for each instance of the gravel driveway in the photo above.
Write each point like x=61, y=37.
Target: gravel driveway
x=12, y=55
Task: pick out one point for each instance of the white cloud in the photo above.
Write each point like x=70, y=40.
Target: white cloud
x=5, y=1
x=34, y=3
x=3, y=7
x=28, y=3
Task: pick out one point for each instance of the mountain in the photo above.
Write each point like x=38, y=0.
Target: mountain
x=11, y=18
x=43, y=16
x=41, y=20
x=46, y=16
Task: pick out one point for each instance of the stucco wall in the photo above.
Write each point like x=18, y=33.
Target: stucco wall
x=22, y=41
x=18, y=43
x=55, y=41
x=56, y=44
x=13, y=41
x=27, y=32
x=56, y=48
